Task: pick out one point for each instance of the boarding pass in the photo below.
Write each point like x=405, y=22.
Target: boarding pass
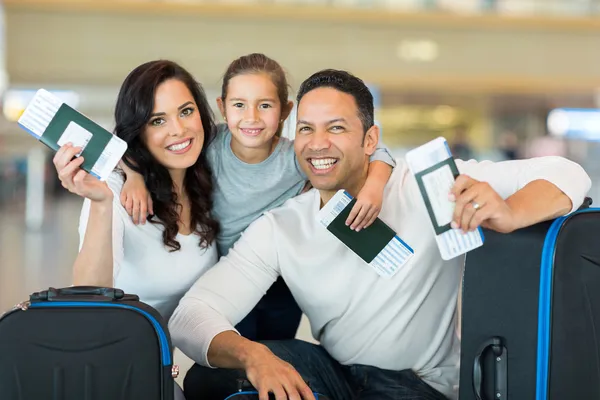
x=435, y=171
x=378, y=245
x=48, y=119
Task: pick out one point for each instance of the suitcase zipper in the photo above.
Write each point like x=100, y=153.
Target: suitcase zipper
x=23, y=306
x=545, y=302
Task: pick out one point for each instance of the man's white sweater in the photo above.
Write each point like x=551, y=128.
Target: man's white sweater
x=407, y=321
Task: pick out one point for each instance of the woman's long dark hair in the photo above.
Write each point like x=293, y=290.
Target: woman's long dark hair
x=132, y=114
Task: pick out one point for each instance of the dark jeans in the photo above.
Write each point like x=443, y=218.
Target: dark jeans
x=324, y=375
x=275, y=317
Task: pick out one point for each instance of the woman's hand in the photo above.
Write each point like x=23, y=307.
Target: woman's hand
x=75, y=179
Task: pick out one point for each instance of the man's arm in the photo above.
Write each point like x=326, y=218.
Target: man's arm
x=539, y=201
x=511, y=195
x=264, y=370
x=202, y=326
x=225, y=294
x=230, y=350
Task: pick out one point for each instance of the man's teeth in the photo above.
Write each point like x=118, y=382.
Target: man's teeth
x=180, y=146
x=322, y=163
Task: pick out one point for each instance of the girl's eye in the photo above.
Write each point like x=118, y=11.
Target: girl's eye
x=157, y=122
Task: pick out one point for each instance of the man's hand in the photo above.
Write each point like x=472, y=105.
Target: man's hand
x=478, y=204
x=270, y=374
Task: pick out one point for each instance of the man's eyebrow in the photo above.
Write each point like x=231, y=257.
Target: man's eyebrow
x=331, y=121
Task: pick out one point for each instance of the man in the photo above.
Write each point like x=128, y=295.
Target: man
x=379, y=338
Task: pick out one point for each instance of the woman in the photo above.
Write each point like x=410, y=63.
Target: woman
x=163, y=115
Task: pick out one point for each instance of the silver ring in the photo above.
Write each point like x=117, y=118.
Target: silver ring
x=476, y=205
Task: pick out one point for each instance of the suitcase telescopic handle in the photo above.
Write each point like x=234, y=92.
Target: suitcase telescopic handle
x=79, y=293
x=500, y=369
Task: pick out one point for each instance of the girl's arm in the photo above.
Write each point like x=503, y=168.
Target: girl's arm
x=135, y=197
x=370, y=198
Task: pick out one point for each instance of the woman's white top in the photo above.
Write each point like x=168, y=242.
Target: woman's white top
x=143, y=265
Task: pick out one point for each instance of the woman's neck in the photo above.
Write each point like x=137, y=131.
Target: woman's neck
x=254, y=155
x=184, y=211
x=178, y=178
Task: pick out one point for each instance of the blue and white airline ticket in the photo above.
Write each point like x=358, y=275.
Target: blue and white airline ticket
x=38, y=115
x=393, y=255
x=435, y=171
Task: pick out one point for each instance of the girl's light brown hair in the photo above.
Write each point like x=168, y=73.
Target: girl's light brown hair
x=257, y=63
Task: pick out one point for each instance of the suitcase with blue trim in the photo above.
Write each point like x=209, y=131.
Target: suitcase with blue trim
x=84, y=343
x=531, y=313
x=253, y=395
x=247, y=392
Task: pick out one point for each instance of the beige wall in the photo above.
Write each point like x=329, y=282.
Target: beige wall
x=85, y=47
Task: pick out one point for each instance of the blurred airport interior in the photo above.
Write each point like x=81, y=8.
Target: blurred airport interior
x=500, y=79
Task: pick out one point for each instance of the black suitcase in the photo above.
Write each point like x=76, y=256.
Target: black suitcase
x=247, y=392
x=253, y=395
x=531, y=313
x=84, y=343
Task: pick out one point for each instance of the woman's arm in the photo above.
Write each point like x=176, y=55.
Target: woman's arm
x=94, y=263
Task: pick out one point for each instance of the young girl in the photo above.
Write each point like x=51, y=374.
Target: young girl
x=256, y=170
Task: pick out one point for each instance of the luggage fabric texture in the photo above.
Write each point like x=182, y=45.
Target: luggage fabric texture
x=85, y=343
x=531, y=313
x=247, y=392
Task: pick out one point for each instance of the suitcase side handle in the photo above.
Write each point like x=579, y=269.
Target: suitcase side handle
x=587, y=203
x=80, y=293
x=500, y=369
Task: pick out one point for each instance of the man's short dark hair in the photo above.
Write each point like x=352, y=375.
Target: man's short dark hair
x=347, y=83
